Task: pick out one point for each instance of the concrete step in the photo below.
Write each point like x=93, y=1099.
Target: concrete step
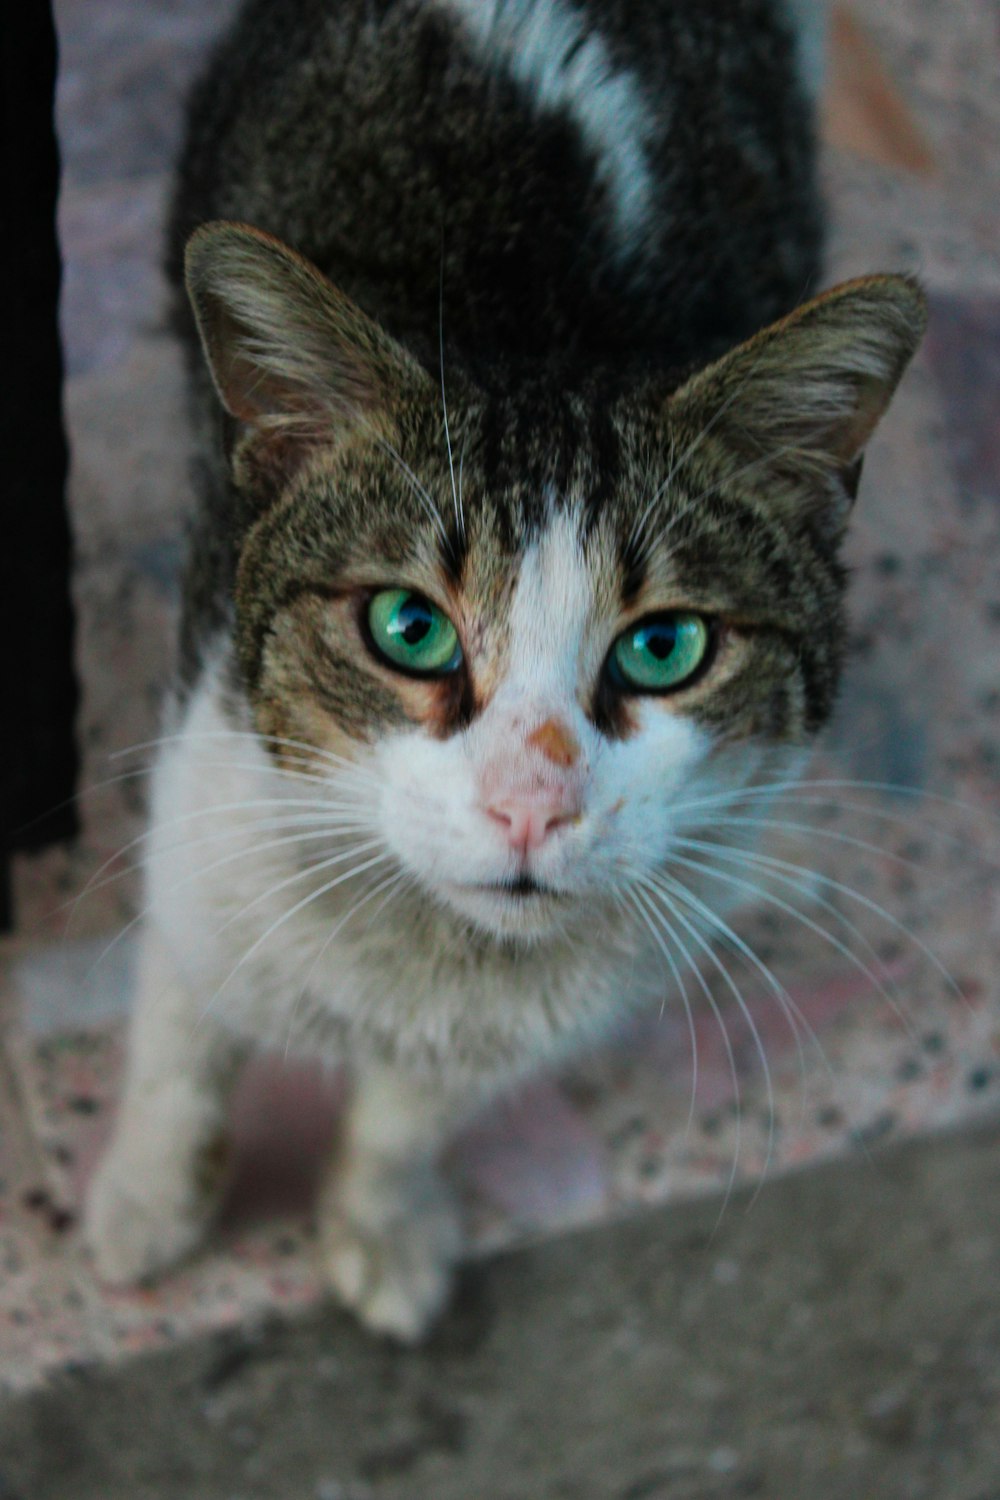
x=838, y=1340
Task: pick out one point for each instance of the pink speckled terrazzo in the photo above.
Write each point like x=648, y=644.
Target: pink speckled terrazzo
x=887, y=1025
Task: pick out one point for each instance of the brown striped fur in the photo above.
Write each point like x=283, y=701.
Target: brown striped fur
x=748, y=465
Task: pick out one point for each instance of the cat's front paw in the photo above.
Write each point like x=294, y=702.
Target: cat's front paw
x=392, y=1269
x=138, y=1223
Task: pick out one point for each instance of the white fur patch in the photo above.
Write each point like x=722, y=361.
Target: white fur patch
x=548, y=613
x=546, y=46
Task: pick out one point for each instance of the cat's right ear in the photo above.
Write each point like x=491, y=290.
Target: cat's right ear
x=293, y=359
x=788, y=413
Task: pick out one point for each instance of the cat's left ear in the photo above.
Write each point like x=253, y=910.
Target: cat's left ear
x=293, y=360
x=786, y=415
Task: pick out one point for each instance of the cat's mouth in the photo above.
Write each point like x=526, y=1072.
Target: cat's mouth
x=523, y=888
x=522, y=907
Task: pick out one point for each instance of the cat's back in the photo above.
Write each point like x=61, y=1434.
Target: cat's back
x=586, y=181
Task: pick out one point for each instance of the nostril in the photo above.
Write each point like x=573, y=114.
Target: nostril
x=517, y=822
x=528, y=824
x=559, y=818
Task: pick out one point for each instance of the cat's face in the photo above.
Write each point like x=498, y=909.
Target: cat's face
x=539, y=687
x=533, y=648
x=565, y=783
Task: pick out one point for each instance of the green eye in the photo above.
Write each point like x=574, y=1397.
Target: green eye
x=413, y=634
x=660, y=653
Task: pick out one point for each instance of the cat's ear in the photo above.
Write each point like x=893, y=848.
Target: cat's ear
x=787, y=414
x=292, y=358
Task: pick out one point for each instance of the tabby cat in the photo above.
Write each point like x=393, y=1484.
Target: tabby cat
x=520, y=548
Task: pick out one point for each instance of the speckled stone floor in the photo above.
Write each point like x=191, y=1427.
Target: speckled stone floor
x=881, y=924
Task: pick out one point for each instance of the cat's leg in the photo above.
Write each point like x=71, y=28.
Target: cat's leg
x=160, y=1183
x=390, y=1229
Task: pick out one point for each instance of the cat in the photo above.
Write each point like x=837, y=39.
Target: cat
x=519, y=547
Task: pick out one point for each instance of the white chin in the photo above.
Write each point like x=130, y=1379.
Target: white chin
x=507, y=913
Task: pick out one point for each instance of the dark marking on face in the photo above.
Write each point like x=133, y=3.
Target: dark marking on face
x=452, y=704
x=634, y=569
x=602, y=470
x=557, y=743
x=453, y=550
x=612, y=711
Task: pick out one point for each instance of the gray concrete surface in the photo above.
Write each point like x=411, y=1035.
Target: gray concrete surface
x=837, y=1340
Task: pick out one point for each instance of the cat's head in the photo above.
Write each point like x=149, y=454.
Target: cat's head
x=550, y=626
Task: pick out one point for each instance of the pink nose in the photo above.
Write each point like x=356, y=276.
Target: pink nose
x=527, y=821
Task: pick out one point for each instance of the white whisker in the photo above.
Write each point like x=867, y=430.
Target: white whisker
x=300, y=821
x=820, y=800
x=676, y=464
x=418, y=489
x=744, y=1010
x=790, y=1009
x=79, y=798
x=287, y=916
x=394, y=882
x=304, y=874
x=768, y=861
x=194, y=875
x=760, y=893
x=786, y=825
x=682, y=987
x=892, y=788
x=315, y=806
x=657, y=911
x=310, y=754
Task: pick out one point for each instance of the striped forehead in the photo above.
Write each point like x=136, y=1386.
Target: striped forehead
x=552, y=602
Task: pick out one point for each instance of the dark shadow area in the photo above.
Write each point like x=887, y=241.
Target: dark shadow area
x=38, y=760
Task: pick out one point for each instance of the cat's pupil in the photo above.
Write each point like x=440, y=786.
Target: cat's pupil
x=661, y=641
x=414, y=622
